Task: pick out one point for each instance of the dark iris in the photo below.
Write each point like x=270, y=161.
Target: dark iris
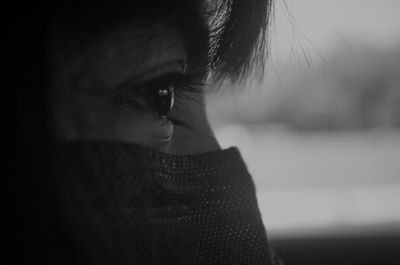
x=164, y=99
x=156, y=95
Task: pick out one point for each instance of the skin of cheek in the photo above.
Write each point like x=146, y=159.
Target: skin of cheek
x=99, y=118
x=103, y=120
x=93, y=117
x=197, y=139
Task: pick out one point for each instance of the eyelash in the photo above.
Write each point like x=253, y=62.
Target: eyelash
x=182, y=83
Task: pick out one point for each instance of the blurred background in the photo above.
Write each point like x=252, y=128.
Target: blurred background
x=321, y=133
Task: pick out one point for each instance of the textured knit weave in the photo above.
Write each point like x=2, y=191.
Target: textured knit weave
x=126, y=204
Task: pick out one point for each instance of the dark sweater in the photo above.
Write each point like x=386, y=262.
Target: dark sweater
x=108, y=203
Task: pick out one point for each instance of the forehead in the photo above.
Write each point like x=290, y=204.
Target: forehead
x=86, y=21
x=129, y=51
x=133, y=42
x=128, y=37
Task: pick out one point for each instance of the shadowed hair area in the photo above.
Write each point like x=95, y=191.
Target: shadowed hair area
x=227, y=37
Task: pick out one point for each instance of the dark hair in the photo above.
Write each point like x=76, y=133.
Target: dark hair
x=238, y=44
x=234, y=30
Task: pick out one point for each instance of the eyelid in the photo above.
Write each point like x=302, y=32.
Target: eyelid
x=142, y=88
x=154, y=73
x=141, y=91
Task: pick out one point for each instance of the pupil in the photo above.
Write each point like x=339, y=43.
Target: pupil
x=165, y=100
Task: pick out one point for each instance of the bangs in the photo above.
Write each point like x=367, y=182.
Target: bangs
x=238, y=37
x=227, y=37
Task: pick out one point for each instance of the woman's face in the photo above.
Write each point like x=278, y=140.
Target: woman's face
x=131, y=85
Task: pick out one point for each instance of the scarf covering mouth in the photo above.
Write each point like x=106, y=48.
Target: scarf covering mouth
x=118, y=203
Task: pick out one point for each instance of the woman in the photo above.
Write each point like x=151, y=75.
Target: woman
x=129, y=171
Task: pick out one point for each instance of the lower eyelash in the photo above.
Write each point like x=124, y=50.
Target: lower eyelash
x=177, y=122
x=183, y=85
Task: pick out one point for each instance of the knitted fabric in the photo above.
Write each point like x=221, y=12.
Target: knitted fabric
x=126, y=204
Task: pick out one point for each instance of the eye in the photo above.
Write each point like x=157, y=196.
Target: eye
x=155, y=95
x=164, y=99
